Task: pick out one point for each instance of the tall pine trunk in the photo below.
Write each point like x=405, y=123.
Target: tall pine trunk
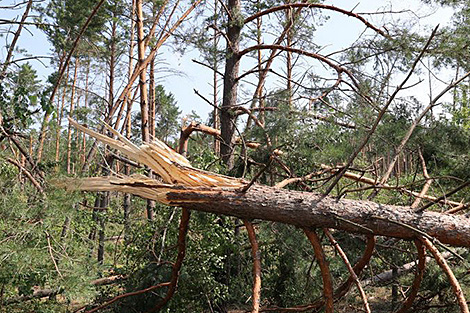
x=229, y=100
x=72, y=108
x=215, y=113
x=126, y=205
x=144, y=105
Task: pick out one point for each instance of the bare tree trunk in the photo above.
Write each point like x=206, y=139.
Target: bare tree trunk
x=60, y=114
x=126, y=204
x=72, y=108
x=151, y=203
x=215, y=113
x=152, y=99
x=60, y=110
x=85, y=105
x=229, y=100
x=144, y=110
x=144, y=105
x=289, y=37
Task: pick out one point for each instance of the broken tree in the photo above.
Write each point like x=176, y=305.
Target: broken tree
x=185, y=186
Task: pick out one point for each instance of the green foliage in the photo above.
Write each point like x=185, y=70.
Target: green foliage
x=20, y=95
x=66, y=17
x=167, y=114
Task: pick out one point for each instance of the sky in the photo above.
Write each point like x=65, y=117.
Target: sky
x=338, y=32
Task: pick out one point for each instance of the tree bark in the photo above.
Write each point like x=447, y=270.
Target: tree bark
x=308, y=210
x=144, y=103
x=72, y=108
x=229, y=100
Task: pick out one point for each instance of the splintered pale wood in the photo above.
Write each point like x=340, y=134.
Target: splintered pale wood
x=195, y=189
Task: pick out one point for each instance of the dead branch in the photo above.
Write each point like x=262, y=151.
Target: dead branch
x=450, y=275
x=292, y=180
x=129, y=294
x=325, y=271
x=381, y=114
x=427, y=184
x=314, y=5
x=12, y=45
x=387, y=276
x=349, y=267
x=358, y=267
x=108, y=280
x=256, y=298
x=413, y=126
x=373, y=182
x=443, y=197
x=28, y=174
x=37, y=294
x=49, y=247
x=186, y=131
x=418, y=278
x=183, y=230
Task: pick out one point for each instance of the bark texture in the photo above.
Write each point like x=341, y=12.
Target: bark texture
x=308, y=210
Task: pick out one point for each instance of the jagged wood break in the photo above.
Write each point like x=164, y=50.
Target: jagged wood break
x=192, y=188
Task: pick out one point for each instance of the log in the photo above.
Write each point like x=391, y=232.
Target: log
x=37, y=294
x=191, y=188
x=301, y=209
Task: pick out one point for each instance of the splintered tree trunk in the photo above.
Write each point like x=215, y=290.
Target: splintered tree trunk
x=191, y=188
x=229, y=100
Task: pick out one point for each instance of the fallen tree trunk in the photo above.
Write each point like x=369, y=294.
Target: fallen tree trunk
x=194, y=189
x=302, y=209
x=37, y=294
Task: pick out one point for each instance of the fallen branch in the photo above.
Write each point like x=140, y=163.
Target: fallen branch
x=28, y=174
x=186, y=131
x=350, y=269
x=341, y=290
x=373, y=182
x=418, y=278
x=37, y=294
x=325, y=271
x=445, y=267
x=427, y=184
x=256, y=266
x=108, y=280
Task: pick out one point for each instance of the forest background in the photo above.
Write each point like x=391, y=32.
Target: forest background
x=338, y=99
